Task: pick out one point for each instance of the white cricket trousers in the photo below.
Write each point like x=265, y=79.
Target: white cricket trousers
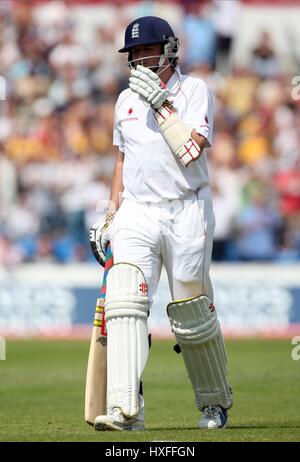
x=177, y=234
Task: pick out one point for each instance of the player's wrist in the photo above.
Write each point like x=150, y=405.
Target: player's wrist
x=164, y=112
x=177, y=134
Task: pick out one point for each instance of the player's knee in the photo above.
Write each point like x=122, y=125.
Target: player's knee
x=126, y=292
x=186, y=289
x=193, y=320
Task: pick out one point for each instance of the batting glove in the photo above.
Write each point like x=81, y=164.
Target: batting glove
x=99, y=237
x=149, y=86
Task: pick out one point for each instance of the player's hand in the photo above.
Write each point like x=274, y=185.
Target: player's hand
x=149, y=86
x=99, y=237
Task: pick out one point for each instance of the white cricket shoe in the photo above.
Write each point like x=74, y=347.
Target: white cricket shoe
x=117, y=421
x=213, y=417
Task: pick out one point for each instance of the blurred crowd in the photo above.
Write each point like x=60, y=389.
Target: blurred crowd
x=61, y=76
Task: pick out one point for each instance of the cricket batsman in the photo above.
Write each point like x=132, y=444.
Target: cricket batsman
x=160, y=214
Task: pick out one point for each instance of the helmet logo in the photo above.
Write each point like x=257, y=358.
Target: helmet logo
x=135, y=32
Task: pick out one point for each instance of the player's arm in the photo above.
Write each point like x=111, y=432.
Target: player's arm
x=200, y=139
x=182, y=138
x=99, y=232
x=117, y=182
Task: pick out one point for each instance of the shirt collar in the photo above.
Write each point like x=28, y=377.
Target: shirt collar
x=173, y=83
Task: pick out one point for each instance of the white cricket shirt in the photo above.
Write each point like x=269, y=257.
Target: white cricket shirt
x=151, y=172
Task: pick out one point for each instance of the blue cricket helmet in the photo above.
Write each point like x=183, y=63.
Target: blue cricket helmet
x=145, y=31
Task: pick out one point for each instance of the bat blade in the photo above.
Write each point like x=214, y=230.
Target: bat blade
x=95, y=390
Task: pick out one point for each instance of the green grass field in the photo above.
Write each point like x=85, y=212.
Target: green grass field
x=42, y=394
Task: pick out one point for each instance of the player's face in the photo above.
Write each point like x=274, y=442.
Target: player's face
x=146, y=55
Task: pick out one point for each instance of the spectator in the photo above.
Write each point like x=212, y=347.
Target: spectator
x=199, y=37
x=227, y=185
x=68, y=52
x=21, y=226
x=264, y=62
x=224, y=216
x=105, y=62
x=225, y=17
x=287, y=183
x=8, y=184
x=256, y=227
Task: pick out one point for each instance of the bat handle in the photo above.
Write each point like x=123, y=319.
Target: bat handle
x=99, y=319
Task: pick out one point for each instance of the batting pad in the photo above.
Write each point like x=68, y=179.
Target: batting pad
x=126, y=311
x=197, y=331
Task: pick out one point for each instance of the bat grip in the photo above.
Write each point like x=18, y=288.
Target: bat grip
x=100, y=302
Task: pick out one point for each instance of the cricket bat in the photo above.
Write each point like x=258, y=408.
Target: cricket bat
x=95, y=389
